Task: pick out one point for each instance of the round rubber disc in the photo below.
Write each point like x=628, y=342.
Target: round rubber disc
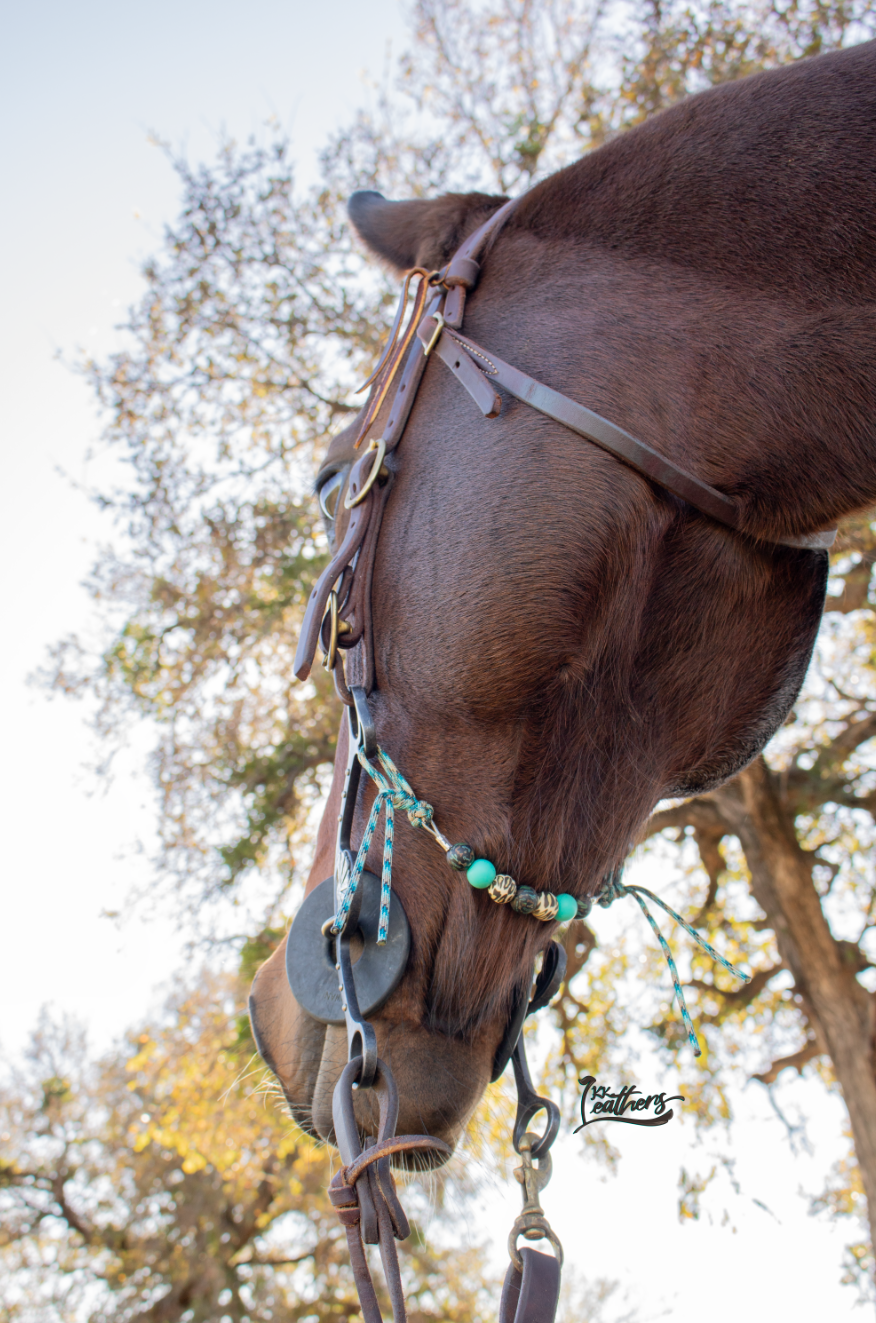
x=310, y=957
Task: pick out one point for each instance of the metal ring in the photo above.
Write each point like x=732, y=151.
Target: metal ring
x=547, y=1233
x=427, y=349
x=378, y=445
x=331, y=652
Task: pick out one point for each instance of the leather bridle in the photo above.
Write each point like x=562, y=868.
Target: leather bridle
x=436, y=322
x=338, y=615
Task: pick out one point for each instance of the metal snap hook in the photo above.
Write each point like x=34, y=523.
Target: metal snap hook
x=532, y=1223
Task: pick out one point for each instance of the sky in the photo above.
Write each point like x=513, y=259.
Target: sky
x=84, y=91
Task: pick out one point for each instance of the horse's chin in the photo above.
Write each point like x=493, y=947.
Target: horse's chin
x=439, y=1079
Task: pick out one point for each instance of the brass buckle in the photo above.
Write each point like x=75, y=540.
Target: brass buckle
x=379, y=446
x=427, y=349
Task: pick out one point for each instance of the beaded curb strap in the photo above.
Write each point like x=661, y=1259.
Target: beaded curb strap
x=395, y=792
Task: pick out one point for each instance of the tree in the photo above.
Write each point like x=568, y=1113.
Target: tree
x=163, y=1183
x=258, y=319
x=793, y=832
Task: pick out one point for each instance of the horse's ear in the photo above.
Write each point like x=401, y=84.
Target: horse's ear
x=419, y=232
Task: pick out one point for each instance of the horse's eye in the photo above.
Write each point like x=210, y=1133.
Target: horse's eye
x=328, y=494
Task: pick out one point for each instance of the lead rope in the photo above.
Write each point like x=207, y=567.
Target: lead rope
x=614, y=889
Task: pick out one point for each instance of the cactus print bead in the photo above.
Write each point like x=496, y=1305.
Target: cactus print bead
x=525, y=901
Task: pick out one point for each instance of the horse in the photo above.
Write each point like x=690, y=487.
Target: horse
x=558, y=641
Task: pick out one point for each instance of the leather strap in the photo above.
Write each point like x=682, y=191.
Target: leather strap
x=363, y=1191
x=708, y=500
x=479, y=371
x=399, y=345
x=533, y=1295
x=465, y=370
x=464, y=270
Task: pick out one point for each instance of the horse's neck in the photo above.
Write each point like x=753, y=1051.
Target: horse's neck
x=735, y=235
x=769, y=182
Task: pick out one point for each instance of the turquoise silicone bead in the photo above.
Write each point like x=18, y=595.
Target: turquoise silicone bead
x=567, y=907
x=480, y=874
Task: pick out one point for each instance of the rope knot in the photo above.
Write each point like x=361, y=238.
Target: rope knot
x=612, y=888
x=419, y=814
x=393, y=792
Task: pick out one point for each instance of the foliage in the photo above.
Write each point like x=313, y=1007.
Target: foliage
x=822, y=767
x=259, y=316
x=164, y=1183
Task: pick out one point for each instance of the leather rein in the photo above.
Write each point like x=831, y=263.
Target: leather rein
x=338, y=616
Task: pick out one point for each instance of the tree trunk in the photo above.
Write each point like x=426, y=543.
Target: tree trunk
x=842, y=1010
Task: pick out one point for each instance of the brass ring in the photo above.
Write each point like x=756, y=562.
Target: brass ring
x=427, y=349
x=379, y=446
x=331, y=652
x=546, y=1234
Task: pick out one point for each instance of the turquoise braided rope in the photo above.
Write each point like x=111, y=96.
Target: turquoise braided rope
x=358, y=868
x=613, y=889
x=393, y=792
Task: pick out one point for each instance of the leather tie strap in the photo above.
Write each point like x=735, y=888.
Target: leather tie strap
x=533, y=1295
x=363, y=1191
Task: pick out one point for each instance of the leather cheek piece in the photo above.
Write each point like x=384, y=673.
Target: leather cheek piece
x=360, y=517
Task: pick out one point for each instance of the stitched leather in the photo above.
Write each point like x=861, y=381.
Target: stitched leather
x=708, y=500
x=464, y=369
x=604, y=434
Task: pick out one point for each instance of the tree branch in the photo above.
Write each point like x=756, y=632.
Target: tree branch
x=856, y=587
x=743, y=995
x=797, y=1060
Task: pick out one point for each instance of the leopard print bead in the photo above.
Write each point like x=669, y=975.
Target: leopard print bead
x=547, y=907
x=503, y=889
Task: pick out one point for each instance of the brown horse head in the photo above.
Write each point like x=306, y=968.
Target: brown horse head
x=559, y=643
